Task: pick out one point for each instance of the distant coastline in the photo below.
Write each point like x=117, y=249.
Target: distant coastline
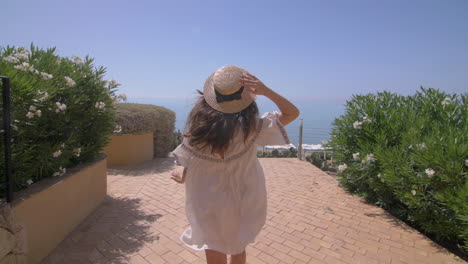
x=318, y=116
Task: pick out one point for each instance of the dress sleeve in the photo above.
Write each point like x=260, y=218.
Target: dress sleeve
x=272, y=132
x=182, y=156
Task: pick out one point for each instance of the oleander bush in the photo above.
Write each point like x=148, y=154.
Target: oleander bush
x=62, y=112
x=135, y=119
x=409, y=155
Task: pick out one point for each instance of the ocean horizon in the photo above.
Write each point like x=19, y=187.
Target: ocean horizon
x=317, y=115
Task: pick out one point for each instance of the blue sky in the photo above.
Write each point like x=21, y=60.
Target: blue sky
x=305, y=50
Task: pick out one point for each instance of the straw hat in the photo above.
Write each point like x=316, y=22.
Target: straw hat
x=223, y=92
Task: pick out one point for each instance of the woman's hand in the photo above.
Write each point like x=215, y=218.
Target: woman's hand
x=254, y=85
x=177, y=177
x=289, y=112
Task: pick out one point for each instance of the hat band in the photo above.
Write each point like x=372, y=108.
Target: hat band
x=229, y=97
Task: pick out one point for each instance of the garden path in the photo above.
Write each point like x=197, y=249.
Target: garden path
x=310, y=220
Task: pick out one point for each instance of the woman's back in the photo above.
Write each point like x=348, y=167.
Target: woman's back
x=225, y=186
x=226, y=197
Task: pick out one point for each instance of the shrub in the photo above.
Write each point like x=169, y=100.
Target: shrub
x=409, y=155
x=275, y=153
x=135, y=119
x=62, y=112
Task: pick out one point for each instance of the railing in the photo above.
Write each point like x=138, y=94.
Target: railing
x=7, y=138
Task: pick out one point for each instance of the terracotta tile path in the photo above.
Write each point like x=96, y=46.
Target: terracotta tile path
x=310, y=220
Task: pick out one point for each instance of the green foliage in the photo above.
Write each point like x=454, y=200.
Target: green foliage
x=318, y=160
x=177, y=138
x=275, y=153
x=408, y=154
x=135, y=119
x=62, y=112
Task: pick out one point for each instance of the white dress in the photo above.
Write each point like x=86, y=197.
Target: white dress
x=225, y=199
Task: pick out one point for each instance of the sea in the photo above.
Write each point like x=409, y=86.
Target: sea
x=317, y=116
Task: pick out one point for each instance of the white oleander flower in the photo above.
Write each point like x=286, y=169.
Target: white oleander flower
x=342, y=167
x=100, y=105
x=60, y=107
x=113, y=83
x=45, y=96
x=77, y=151
x=370, y=157
x=413, y=192
x=430, y=172
x=446, y=101
x=466, y=162
x=357, y=124
x=30, y=115
x=60, y=172
x=23, y=54
x=69, y=81
x=24, y=67
x=38, y=113
x=118, y=129
x=356, y=156
x=122, y=97
x=32, y=108
x=78, y=60
x=58, y=61
x=29, y=182
x=367, y=119
x=421, y=146
x=379, y=175
x=11, y=59
x=46, y=76
x=57, y=153
x=36, y=72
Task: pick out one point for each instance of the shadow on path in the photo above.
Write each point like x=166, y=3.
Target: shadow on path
x=154, y=166
x=118, y=228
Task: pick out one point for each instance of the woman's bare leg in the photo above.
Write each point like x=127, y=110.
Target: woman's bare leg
x=239, y=258
x=215, y=257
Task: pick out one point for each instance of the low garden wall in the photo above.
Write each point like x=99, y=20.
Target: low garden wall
x=129, y=149
x=136, y=119
x=43, y=215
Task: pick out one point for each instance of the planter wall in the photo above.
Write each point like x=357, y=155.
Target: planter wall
x=53, y=207
x=129, y=149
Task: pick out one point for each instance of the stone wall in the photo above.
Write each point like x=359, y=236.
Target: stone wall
x=13, y=244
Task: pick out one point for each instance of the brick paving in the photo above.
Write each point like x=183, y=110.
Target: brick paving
x=310, y=220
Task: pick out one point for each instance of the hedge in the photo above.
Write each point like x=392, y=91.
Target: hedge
x=409, y=155
x=62, y=112
x=134, y=119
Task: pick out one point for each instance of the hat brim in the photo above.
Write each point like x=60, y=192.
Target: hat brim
x=228, y=107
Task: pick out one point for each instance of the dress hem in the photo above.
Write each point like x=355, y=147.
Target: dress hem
x=205, y=246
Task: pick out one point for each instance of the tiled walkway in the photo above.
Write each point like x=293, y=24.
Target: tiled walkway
x=310, y=220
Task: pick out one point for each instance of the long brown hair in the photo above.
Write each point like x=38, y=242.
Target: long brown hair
x=209, y=128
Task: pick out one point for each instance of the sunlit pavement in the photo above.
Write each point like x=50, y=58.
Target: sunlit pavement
x=310, y=220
